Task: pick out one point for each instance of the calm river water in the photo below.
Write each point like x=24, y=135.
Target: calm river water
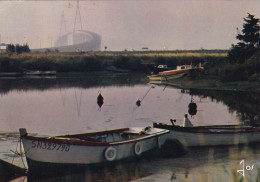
x=68, y=104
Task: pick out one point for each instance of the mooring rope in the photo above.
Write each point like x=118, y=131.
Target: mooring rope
x=147, y=92
x=16, y=153
x=138, y=102
x=22, y=152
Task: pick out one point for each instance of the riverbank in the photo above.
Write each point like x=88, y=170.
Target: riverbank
x=136, y=62
x=100, y=61
x=213, y=83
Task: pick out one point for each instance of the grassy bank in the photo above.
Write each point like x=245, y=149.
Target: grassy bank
x=98, y=61
x=217, y=73
x=214, y=83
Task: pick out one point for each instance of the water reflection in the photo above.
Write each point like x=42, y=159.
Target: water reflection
x=199, y=164
x=245, y=104
x=68, y=104
x=70, y=80
x=9, y=172
x=192, y=107
x=121, y=172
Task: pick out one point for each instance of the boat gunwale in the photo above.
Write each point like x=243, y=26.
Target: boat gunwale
x=206, y=129
x=181, y=73
x=72, y=141
x=94, y=133
x=174, y=72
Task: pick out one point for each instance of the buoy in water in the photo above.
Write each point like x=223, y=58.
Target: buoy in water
x=192, y=105
x=192, y=108
x=192, y=112
x=138, y=102
x=100, y=100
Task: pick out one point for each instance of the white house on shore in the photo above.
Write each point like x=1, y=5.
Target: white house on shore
x=3, y=47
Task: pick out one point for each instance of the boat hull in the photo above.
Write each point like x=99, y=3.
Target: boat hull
x=27, y=73
x=212, y=137
x=201, y=139
x=55, y=152
x=40, y=73
x=174, y=72
x=38, y=167
x=166, y=77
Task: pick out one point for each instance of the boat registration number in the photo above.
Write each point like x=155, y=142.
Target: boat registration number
x=51, y=146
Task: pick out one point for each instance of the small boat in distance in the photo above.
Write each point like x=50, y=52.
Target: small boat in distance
x=39, y=73
x=75, y=150
x=213, y=135
x=27, y=73
x=168, y=75
x=179, y=69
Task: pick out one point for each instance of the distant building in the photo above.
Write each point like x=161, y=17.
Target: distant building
x=81, y=40
x=3, y=47
x=75, y=41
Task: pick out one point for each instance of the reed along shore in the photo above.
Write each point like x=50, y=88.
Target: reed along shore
x=133, y=61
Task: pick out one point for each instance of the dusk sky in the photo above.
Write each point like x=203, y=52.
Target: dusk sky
x=129, y=24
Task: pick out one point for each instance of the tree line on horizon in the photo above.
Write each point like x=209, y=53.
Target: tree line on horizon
x=243, y=57
x=249, y=40
x=11, y=48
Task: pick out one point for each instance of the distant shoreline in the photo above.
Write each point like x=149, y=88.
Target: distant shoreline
x=130, y=62
x=133, y=61
x=212, y=83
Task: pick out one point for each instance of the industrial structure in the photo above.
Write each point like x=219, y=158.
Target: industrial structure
x=77, y=40
x=81, y=40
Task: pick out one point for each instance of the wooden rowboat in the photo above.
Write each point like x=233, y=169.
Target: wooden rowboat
x=90, y=148
x=166, y=77
x=39, y=73
x=213, y=135
x=27, y=73
x=185, y=69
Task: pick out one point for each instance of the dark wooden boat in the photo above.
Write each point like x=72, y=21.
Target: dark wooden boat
x=213, y=135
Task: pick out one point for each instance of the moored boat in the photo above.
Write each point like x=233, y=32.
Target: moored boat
x=27, y=73
x=39, y=73
x=213, y=135
x=10, y=74
x=68, y=151
x=166, y=77
x=185, y=69
x=10, y=169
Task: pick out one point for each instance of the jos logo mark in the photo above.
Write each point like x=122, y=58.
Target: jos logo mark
x=248, y=168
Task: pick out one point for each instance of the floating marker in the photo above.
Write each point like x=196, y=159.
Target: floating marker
x=100, y=100
x=138, y=102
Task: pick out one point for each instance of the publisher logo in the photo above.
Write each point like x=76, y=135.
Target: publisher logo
x=247, y=168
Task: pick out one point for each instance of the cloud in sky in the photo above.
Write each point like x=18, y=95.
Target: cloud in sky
x=128, y=24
